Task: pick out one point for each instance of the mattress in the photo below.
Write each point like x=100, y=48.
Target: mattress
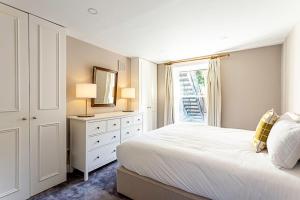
x=212, y=162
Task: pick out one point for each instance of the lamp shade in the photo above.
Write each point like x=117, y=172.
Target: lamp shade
x=86, y=90
x=128, y=93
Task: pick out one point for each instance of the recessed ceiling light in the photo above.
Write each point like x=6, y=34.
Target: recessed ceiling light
x=93, y=11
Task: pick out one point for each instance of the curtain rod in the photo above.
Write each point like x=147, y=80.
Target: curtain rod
x=198, y=58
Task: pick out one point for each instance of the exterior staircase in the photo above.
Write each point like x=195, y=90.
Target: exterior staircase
x=193, y=105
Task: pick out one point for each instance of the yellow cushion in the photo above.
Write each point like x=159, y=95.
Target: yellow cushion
x=263, y=129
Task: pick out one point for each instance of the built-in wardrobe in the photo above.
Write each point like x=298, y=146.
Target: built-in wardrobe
x=144, y=80
x=32, y=104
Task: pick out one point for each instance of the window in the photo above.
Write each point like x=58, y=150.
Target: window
x=190, y=92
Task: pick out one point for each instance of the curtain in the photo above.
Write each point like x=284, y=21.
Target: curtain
x=214, y=93
x=169, y=99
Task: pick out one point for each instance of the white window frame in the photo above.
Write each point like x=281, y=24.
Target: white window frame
x=176, y=69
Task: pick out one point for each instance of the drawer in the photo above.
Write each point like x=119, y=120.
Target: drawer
x=96, y=127
x=127, y=133
x=138, y=129
x=103, y=139
x=113, y=124
x=138, y=119
x=101, y=156
x=126, y=122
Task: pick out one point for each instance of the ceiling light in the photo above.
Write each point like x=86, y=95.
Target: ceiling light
x=93, y=11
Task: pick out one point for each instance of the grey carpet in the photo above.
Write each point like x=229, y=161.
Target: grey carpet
x=100, y=186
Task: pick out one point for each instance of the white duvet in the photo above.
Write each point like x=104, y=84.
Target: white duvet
x=216, y=163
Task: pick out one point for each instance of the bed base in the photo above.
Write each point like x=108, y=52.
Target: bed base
x=138, y=187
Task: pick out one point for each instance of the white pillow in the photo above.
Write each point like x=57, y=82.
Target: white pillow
x=293, y=116
x=284, y=142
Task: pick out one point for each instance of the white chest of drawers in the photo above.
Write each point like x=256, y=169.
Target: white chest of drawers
x=93, y=140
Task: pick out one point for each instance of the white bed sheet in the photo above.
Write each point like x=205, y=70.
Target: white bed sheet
x=216, y=163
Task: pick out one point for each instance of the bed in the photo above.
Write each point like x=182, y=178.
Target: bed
x=191, y=161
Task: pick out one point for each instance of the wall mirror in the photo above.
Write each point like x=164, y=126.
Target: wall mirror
x=106, y=81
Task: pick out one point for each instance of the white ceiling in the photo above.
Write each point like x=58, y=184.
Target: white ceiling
x=163, y=30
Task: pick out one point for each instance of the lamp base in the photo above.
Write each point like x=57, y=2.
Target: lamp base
x=87, y=115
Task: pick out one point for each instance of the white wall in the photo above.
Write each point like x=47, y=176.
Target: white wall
x=291, y=72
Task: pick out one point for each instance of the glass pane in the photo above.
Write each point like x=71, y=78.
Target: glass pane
x=190, y=87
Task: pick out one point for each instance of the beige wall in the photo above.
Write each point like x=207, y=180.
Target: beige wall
x=291, y=72
x=160, y=94
x=81, y=57
x=250, y=86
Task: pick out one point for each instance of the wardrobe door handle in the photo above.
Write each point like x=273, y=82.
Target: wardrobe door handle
x=24, y=118
x=34, y=117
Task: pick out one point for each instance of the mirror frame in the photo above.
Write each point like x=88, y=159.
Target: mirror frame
x=95, y=69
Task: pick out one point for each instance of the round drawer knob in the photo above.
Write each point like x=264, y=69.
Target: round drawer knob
x=115, y=124
x=98, y=157
x=98, y=127
x=127, y=132
x=98, y=141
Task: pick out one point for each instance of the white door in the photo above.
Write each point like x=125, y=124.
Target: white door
x=145, y=95
x=149, y=94
x=153, y=87
x=47, y=104
x=14, y=104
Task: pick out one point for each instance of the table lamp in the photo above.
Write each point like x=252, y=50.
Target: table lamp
x=128, y=93
x=86, y=91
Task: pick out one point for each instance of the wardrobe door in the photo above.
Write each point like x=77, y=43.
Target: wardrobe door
x=153, y=89
x=14, y=104
x=149, y=93
x=146, y=95
x=47, y=104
